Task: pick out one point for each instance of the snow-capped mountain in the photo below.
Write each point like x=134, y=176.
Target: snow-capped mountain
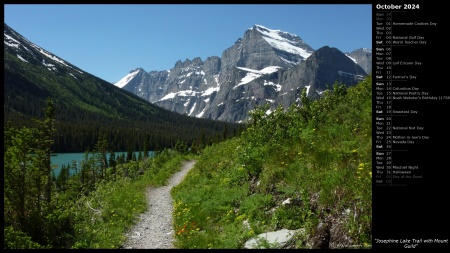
x=264, y=66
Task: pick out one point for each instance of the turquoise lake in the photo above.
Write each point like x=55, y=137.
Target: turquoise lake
x=58, y=159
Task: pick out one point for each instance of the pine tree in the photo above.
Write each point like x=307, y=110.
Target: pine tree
x=18, y=144
x=145, y=148
x=112, y=163
x=225, y=132
x=45, y=141
x=129, y=154
x=100, y=151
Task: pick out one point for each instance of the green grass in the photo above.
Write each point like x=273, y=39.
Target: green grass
x=319, y=155
x=103, y=217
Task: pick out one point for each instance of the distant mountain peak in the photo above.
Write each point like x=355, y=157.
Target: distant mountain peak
x=264, y=29
x=124, y=81
x=284, y=41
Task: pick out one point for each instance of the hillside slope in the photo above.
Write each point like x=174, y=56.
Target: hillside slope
x=87, y=105
x=307, y=169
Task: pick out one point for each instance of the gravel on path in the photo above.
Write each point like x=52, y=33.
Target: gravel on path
x=154, y=229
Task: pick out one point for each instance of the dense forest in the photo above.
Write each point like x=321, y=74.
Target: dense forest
x=87, y=107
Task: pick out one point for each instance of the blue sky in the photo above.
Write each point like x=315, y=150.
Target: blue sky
x=109, y=40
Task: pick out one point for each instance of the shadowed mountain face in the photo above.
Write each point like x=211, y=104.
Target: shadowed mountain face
x=264, y=66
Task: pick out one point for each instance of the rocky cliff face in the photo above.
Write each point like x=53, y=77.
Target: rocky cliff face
x=362, y=57
x=318, y=73
x=264, y=66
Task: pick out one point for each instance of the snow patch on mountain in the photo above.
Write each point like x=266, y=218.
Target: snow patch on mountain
x=351, y=58
x=253, y=74
x=276, y=40
x=210, y=91
x=124, y=81
x=10, y=41
x=21, y=58
x=277, y=87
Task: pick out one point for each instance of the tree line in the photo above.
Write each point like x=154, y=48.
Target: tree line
x=87, y=107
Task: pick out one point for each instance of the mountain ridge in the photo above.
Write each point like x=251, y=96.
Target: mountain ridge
x=208, y=89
